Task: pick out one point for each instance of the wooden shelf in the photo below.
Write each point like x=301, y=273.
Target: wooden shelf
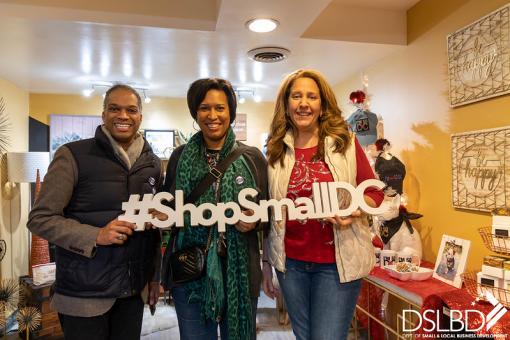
x=39, y=296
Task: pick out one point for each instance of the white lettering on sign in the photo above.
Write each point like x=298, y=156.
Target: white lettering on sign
x=325, y=203
x=459, y=319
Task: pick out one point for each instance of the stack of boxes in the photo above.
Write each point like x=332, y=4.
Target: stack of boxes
x=501, y=232
x=507, y=278
x=495, y=273
x=496, y=269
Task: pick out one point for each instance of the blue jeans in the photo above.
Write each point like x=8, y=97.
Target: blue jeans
x=193, y=327
x=319, y=306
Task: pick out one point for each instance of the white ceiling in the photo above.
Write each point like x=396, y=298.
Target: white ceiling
x=50, y=46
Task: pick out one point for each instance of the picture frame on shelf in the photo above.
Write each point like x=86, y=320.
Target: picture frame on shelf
x=451, y=260
x=161, y=141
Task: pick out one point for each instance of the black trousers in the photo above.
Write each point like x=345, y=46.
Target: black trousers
x=122, y=322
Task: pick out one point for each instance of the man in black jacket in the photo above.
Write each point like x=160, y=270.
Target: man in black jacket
x=102, y=263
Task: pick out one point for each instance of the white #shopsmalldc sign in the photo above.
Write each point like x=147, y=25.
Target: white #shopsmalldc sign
x=457, y=317
x=324, y=204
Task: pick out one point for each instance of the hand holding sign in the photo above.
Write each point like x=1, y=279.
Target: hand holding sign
x=245, y=226
x=115, y=232
x=342, y=221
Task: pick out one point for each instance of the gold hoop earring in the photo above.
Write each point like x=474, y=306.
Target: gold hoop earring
x=194, y=128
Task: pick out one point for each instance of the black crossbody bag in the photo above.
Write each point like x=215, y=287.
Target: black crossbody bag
x=188, y=264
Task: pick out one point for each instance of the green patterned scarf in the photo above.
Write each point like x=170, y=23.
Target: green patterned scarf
x=209, y=291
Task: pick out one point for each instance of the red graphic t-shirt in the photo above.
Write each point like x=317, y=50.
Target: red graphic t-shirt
x=309, y=240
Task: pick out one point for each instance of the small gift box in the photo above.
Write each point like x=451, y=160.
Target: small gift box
x=43, y=273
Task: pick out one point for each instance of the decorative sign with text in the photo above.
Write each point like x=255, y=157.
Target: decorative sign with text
x=480, y=169
x=239, y=127
x=327, y=198
x=479, y=59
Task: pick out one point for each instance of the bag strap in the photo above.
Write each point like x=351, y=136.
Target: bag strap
x=214, y=174
x=253, y=168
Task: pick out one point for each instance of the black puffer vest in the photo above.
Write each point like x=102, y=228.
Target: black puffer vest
x=104, y=182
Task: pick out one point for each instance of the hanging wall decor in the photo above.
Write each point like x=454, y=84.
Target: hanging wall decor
x=5, y=128
x=239, y=127
x=3, y=249
x=481, y=169
x=70, y=128
x=5, y=141
x=479, y=59
x=162, y=142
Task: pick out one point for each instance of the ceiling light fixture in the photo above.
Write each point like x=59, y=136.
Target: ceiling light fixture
x=103, y=86
x=243, y=93
x=262, y=25
x=147, y=99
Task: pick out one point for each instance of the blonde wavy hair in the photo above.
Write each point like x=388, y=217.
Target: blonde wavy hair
x=331, y=122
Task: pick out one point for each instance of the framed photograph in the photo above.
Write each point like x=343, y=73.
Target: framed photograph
x=161, y=141
x=480, y=164
x=478, y=59
x=451, y=260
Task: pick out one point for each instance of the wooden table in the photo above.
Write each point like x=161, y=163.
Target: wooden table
x=39, y=296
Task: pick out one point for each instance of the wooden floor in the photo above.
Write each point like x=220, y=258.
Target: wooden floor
x=163, y=325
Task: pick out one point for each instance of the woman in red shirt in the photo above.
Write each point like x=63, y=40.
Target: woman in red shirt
x=319, y=263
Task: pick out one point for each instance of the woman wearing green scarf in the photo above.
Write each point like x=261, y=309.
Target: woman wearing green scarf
x=226, y=295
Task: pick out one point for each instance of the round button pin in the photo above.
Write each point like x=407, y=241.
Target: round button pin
x=239, y=180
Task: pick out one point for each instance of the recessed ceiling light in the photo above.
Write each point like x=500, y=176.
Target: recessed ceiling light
x=262, y=25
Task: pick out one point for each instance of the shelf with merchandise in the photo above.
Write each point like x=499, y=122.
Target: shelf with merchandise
x=495, y=243
x=478, y=291
x=501, y=246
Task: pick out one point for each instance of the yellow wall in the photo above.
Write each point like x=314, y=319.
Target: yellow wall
x=13, y=211
x=410, y=91
x=160, y=113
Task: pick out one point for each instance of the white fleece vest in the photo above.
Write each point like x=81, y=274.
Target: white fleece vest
x=354, y=252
